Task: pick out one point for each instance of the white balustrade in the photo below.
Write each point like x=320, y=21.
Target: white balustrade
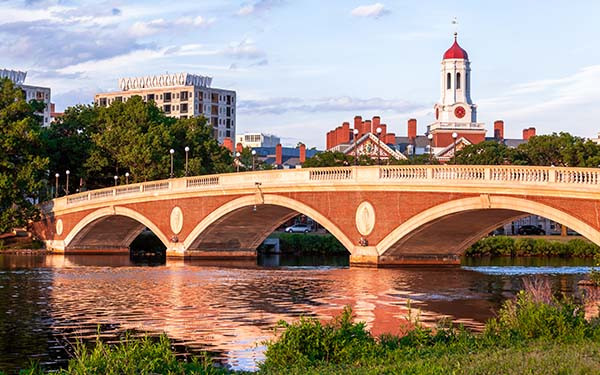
x=202, y=181
x=331, y=174
x=421, y=174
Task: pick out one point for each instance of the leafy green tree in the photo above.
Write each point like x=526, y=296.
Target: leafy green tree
x=22, y=167
x=206, y=156
x=562, y=149
x=485, y=153
x=68, y=142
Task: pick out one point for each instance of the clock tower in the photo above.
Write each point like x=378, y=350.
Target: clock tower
x=455, y=113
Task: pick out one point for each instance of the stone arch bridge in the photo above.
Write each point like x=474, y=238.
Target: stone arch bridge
x=383, y=215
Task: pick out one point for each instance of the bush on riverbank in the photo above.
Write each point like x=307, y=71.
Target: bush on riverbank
x=300, y=243
x=508, y=246
x=531, y=334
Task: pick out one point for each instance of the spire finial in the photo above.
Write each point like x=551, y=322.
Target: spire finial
x=455, y=35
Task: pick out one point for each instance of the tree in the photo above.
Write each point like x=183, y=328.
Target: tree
x=562, y=149
x=485, y=153
x=206, y=155
x=22, y=167
x=68, y=142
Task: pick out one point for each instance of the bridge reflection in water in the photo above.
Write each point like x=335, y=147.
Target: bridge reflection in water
x=228, y=310
x=384, y=216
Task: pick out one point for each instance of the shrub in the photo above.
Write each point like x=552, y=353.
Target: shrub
x=495, y=246
x=308, y=342
x=526, y=318
x=310, y=244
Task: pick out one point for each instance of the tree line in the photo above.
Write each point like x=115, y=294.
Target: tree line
x=94, y=144
x=557, y=149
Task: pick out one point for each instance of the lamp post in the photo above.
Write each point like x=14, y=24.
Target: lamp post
x=454, y=136
x=187, y=150
x=430, y=138
x=253, y=156
x=116, y=179
x=237, y=161
x=379, y=146
x=126, y=178
x=355, y=132
x=171, y=151
x=68, y=172
x=56, y=176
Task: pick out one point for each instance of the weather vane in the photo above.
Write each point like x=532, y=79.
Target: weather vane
x=455, y=23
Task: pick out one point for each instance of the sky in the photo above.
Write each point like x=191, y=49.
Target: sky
x=302, y=67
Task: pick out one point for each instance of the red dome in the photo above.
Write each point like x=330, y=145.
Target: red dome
x=456, y=52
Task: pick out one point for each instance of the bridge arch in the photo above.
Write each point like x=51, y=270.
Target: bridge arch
x=279, y=207
x=131, y=224
x=469, y=220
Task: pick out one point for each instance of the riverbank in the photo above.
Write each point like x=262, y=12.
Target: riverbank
x=529, y=246
x=533, y=333
x=20, y=242
x=307, y=244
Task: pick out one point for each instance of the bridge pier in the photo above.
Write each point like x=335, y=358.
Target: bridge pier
x=367, y=256
x=213, y=254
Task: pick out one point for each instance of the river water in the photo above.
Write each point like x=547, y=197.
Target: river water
x=49, y=302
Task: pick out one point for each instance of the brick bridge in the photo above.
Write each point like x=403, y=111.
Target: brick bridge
x=388, y=215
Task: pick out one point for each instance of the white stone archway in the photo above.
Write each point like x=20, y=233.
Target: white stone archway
x=484, y=202
x=267, y=199
x=86, y=224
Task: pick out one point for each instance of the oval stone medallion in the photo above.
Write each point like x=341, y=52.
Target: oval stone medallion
x=365, y=218
x=176, y=220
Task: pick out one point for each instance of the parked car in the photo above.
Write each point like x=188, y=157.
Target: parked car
x=298, y=228
x=531, y=229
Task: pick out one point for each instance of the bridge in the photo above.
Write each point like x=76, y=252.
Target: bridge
x=383, y=215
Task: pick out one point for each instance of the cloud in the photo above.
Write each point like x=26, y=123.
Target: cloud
x=276, y=106
x=374, y=11
x=258, y=7
x=147, y=28
x=246, y=49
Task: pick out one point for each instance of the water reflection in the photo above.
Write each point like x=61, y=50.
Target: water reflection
x=228, y=308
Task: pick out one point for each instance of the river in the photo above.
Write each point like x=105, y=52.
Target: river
x=48, y=302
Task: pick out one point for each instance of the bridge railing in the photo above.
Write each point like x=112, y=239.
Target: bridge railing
x=578, y=178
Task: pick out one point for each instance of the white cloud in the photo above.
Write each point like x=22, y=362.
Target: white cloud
x=147, y=28
x=374, y=11
x=246, y=49
x=258, y=7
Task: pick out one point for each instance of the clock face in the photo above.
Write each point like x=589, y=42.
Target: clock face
x=459, y=112
x=437, y=113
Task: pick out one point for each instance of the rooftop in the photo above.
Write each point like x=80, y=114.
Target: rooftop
x=164, y=80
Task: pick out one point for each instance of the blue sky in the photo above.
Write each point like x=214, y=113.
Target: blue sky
x=301, y=68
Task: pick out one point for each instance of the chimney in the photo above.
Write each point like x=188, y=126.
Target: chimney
x=302, y=152
x=368, y=127
x=412, y=130
x=376, y=123
x=390, y=139
x=528, y=133
x=239, y=147
x=228, y=144
x=358, y=124
x=278, y=154
x=345, y=135
x=383, y=130
x=499, y=130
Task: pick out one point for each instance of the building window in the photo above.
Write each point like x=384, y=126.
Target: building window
x=458, y=81
x=448, y=81
x=150, y=96
x=167, y=97
x=183, y=108
x=228, y=133
x=183, y=96
x=103, y=102
x=167, y=108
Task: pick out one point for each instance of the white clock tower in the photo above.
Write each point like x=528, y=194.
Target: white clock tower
x=455, y=113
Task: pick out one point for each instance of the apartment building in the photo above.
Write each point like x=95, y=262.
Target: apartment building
x=42, y=94
x=254, y=140
x=181, y=95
